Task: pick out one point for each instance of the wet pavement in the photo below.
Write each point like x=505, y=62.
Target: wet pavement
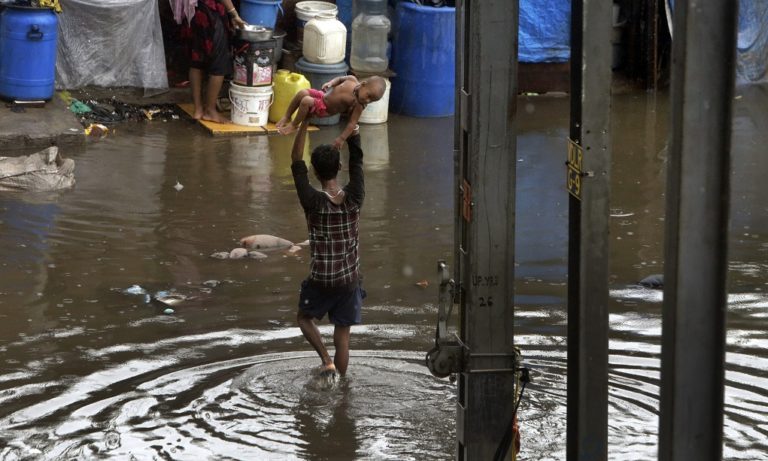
x=89, y=370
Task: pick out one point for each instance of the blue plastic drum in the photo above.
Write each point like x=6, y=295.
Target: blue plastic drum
x=424, y=61
x=318, y=74
x=28, y=38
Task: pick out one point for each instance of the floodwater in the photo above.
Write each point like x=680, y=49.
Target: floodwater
x=89, y=370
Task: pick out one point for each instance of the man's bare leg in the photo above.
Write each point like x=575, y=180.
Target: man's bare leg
x=341, y=344
x=211, y=96
x=312, y=335
x=196, y=84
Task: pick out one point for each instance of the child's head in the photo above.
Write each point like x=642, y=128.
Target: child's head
x=326, y=161
x=370, y=90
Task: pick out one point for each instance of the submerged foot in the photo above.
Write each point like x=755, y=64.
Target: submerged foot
x=328, y=370
x=326, y=376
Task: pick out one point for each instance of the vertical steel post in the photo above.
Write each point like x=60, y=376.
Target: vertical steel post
x=695, y=293
x=486, y=148
x=588, y=249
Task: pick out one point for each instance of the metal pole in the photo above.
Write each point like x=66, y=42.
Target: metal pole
x=695, y=294
x=588, y=252
x=486, y=147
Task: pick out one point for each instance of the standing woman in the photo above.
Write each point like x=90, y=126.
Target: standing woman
x=207, y=30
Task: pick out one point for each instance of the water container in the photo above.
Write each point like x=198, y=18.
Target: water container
x=287, y=84
x=250, y=104
x=318, y=74
x=260, y=12
x=307, y=10
x=369, y=37
x=28, y=38
x=424, y=86
x=253, y=62
x=325, y=40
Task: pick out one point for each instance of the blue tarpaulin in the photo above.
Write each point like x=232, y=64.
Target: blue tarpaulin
x=545, y=31
x=545, y=35
x=752, y=44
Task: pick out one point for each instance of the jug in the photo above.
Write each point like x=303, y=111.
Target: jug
x=287, y=84
x=369, y=37
x=325, y=40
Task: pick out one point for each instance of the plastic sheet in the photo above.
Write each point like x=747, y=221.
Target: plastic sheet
x=752, y=45
x=545, y=31
x=111, y=43
x=42, y=171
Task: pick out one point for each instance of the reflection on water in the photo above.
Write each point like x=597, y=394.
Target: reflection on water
x=91, y=372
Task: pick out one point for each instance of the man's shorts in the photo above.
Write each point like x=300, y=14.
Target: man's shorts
x=342, y=306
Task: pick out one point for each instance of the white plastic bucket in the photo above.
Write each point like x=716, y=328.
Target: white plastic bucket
x=378, y=111
x=250, y=104
x=307, y=10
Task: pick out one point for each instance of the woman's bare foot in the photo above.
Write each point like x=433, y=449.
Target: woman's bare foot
x=215, y=116
x=198, y=113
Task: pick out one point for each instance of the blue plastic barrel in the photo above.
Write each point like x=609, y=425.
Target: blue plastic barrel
x=28, y=38
x=318, y=74
x=423, y=59
x=345, y=16
x=261, y=12
x=345, y=13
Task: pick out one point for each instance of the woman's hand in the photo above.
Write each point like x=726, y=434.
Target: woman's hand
x=237, y=21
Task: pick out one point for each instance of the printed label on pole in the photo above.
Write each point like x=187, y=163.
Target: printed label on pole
x=575, y=156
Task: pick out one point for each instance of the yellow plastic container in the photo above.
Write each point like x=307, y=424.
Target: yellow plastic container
x=287, y=84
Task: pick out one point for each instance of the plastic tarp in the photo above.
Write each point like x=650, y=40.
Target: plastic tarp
x=41, y=171
x=545, y=31
x=752, y=45
x=111, y=43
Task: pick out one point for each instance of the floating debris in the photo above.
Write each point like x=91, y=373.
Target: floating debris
x=169, y=298
x=135, y=290
x=220, y=255
x=265, y=242
x=96, y=129
x=178, y=186
x=422, y=283
x=238, y=253
x=168, y=311
x=258, y=255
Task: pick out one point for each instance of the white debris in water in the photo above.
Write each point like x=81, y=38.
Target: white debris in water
x=178, y=186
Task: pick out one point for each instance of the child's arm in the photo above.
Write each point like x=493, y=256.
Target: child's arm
x=337, y=81
x=351, y=124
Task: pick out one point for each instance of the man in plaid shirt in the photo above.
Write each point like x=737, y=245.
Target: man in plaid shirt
x=333, y=218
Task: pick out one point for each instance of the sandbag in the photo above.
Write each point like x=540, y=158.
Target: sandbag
x=42, y=171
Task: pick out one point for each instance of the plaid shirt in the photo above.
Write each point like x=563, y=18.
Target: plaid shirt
x=333, y=229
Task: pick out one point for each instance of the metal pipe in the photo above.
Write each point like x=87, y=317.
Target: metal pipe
x=485, y=220
x=588, y=249
x=695, y=294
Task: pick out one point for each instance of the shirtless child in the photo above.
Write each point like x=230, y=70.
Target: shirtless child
x=347, y=95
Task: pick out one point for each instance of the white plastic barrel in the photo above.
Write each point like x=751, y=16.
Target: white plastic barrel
x=250, y=104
